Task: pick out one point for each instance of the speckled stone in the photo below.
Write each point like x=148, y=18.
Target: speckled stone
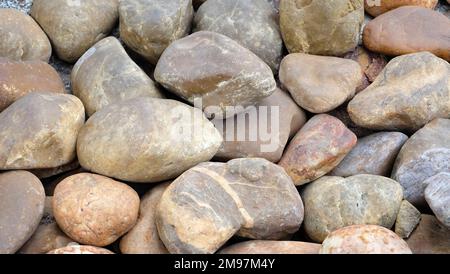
x=437, y=195
x=407, y=219
x=272, y=247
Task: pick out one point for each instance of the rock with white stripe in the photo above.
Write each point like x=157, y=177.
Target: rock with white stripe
x=212, y=202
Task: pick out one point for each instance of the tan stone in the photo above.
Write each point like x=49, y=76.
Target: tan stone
x=407, y=220
x=377, y=7
x=272, y=247
x=75, y=249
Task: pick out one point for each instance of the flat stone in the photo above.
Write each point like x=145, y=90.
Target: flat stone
x=437, y=195
x=317, y=149
x=21, y=38
x=321, y=27
x=374, y=154
x=424, y=155
x=22, y=201
x=216, y=69
x=45, y=127
x=149, y=28
x=261, y=131
x=430, y=237
x=396, y=100
x=378, y=7
x=272, y=247
x=250, y=197
x=408, y=30
x=105, y=74
x=75, y=249
x=364, y=239
x=407, y=220
x=146, y=140
x=259, y=32
x=320, y=83
x=75, y=26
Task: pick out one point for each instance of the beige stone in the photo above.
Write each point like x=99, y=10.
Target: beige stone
x=272, y=247
x=407, y=220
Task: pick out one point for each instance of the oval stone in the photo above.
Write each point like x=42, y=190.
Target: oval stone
x=272, y=247
x=76, y=249
x=437, y=195
x=377, y=7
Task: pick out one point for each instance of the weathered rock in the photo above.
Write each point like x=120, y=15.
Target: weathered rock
x=143, y=238
x=397, y=100
x=317, y=149
x=424, y=155
x=105, y=74
x=75, y=26
x=74, y=249
x=259, y=32
x=146, y=140
x=364, y=239
x=374, y=154
x=22, y=201
x=408, y=30
x=321, y=27
x=261, y=131
x=18, y=78
x=407, y=219
x=45, y=173
x=377, y=7
x=93, y=209
x=211, y=202
x=335, y=202
x=21, y=38
x=216, y=69
x=47, y=236
x=430, y=237
x=437, y=195
x=272, y=247
x=149, y=27
x=45, y=128
x=320, y=83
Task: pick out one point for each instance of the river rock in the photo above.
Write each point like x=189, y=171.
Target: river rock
x=259, y=32
x=335, y=202
x=22, y=201
x=364, y=239
x=374, y=154
x=21, y=38
x=18, y=78
x=424, y=155
x=377, y=7
x=75, y=26
x=398, y=101
x=430, y=237
x=317, y=149
x=408, y=30
x=320, y=83
x=219, y=71
x=149, y=27
x=407, y=219
x=208, y=204
x=261, y=131
x=75, y=249
x=321, y=27
x=272, y=247
x=45, y=127
x=105, y=74
x=146, y=140
x=93, y=209
x=143, y=238
x=437, y=195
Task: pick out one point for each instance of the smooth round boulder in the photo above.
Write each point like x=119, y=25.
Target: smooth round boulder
x=437, y=195
x=149, y=27
x=45, y=127
x=424, y=155
x=105, y=74
x=146, y=140
x=320, y=83
x=408, y=30
x=430, y=237
x=75, y=249
x=272, y=247
x=396, y=100
x=215, y=71
x=22, y=199
x=208, y=204
x=94, y=210
x=18, y=78
x=364, y=239
x=259, y=32
x=321, y=27
x=21, y=38
x=378, y=7
x=335, y=202
x=75, y=26
x=317, y=149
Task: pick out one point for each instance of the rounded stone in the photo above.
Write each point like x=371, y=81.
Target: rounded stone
x=272, y=247
x=437, y=195
x=378, y=7
x=75, y=249
x=94, y=210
